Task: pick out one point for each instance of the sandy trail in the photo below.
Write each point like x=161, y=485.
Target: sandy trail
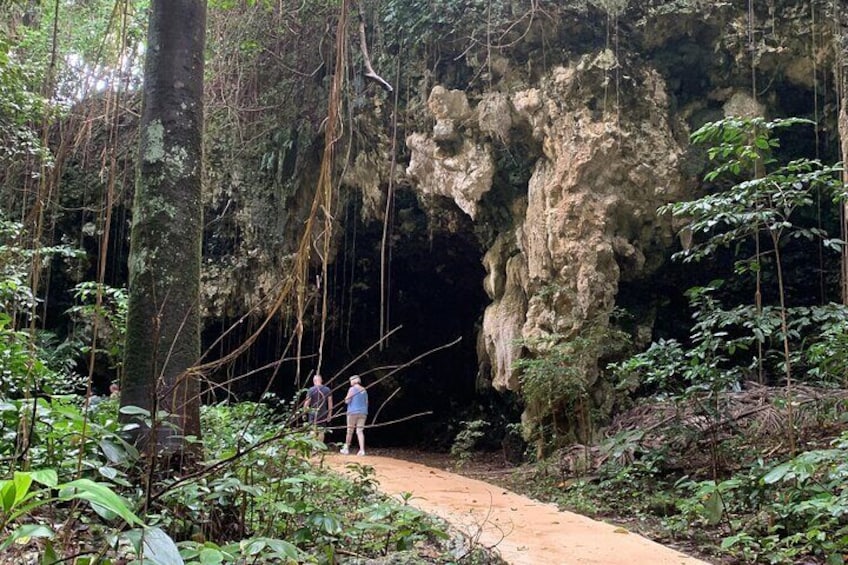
x=525, y=532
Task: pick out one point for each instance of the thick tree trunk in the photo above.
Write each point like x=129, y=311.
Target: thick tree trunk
x=163, y=326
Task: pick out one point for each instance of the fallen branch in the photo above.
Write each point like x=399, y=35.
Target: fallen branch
x=380, y=409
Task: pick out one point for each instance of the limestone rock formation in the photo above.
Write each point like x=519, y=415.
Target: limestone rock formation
x=445, y=163
x=506, y=284
x=607, y=163
x=464, y=175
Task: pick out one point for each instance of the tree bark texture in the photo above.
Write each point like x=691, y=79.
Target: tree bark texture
x=163, y=326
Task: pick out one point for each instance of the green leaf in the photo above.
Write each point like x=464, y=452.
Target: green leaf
x=109, y=472
x=46, y=477
x=103, y=512
x=326, y=522
x=7, y=406
x=24, y=533
x=100, y=493
x=283, y=548
x=134, y=537
x=134, y=411
x=209, y=556
x=776, y=474
x=160, y=549
x=835, y=559
x=729, y=542
x=49, y=557
x=189, y=550
x=255, y=546
x=714, y=508
x=7, y=495
x=22, y=483
x=114, y=453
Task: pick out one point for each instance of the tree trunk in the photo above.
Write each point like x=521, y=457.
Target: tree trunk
x=163, y=325
x=843, y=138
x=840, y=38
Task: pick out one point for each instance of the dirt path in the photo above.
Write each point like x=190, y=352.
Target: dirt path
x=523, y=531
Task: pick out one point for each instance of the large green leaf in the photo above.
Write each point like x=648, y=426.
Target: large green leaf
x=210, y=556
x=283, y=548
x=101, y=494
x=7, y=495
x=7, y=406
x=22, y=483
x=160, y=549
x=46, y=477
x=113, y=452
x=714, y=508
x=326, y=522
x=280, y=548
x=777, y=474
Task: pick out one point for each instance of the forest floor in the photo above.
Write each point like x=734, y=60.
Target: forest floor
x=521, y=530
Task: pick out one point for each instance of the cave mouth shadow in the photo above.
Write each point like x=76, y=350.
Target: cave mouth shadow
x=434, y=296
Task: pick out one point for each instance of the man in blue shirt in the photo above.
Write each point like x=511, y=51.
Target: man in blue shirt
x=357, y=411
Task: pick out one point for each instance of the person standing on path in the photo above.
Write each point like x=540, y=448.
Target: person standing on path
x=357, y=411
x=318, y=406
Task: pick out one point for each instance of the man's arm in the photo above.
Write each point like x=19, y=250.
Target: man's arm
x=329, y=406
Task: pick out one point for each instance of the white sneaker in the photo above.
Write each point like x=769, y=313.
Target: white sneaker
x=361, y=452
x=344, y=450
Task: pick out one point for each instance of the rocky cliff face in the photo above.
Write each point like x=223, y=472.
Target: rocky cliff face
x=552, y=151
x=526, y=169
x=588, y=216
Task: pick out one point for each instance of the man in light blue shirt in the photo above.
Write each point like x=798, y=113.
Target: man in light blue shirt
x=357, y=411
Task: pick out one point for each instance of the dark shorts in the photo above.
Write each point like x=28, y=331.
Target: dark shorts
x=318, y=423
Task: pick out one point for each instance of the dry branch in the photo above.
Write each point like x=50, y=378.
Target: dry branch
x=369, y=70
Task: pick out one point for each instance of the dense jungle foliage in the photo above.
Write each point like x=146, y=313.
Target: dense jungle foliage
x=729, y=433
x=744, y=436
x=75, y=485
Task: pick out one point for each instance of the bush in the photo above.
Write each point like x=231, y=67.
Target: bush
x=466, y=440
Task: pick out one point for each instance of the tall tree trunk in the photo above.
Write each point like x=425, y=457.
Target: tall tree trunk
x=163, y=326
x=840, y=41
x=843, y=137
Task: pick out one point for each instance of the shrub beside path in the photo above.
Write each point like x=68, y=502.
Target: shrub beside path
x=524, y=531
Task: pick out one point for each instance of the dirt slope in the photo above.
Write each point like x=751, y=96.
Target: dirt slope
x=523, y=531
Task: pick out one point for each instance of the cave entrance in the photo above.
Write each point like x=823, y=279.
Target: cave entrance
x=434, y=296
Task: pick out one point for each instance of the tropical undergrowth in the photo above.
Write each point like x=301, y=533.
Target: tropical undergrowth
x=653, y=473
x=737, y=444
x=258, y=498
x=74, y=487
